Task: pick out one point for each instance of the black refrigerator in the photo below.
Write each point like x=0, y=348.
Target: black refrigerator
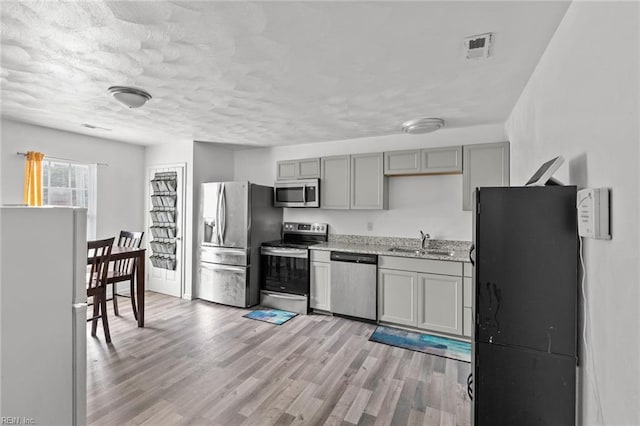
x=526, y=306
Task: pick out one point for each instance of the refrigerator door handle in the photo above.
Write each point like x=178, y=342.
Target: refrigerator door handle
x=223, y=212
x=473, y=247
x=218, y=197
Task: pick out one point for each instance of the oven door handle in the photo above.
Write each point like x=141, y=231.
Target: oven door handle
x=283, y=296
x=284, y=252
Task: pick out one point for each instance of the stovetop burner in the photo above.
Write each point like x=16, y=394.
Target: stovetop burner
x=301, y=235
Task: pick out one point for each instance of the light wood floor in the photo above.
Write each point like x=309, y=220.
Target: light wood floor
x=202, y=363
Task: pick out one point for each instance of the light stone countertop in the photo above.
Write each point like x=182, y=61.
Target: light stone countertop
x=381, y=246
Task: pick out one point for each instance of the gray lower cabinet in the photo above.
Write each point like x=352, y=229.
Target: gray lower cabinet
x=440, y=303
x=397, y=301
x=426, y=294
x=320, y=281
x=467, y=315
x=308, y=168
x=423, y=161
x=484, y=165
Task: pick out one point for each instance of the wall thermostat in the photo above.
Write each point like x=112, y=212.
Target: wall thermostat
x=593, y=213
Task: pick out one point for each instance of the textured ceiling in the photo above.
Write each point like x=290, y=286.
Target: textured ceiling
x=265, y=73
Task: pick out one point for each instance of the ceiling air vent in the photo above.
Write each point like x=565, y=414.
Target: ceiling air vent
x=477, y=46
x=92, y=127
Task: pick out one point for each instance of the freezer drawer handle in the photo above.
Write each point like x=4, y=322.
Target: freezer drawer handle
x=223, y=268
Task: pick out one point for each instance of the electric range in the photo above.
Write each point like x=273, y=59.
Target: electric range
x=285, y=266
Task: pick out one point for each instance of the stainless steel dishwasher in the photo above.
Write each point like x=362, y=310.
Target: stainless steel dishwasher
x=354, y=286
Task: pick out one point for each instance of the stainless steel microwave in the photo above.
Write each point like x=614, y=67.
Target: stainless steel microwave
x=297, y=193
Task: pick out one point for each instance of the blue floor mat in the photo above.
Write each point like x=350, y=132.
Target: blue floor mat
x=422, y=342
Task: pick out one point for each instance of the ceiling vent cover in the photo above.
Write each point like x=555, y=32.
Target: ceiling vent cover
x=477, y=46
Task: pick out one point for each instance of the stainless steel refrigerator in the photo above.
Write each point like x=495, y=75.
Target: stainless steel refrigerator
x=234, y=219
x=526, y=306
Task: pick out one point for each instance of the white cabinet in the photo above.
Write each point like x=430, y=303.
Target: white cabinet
x=484, y=165
x=354, y=182
x=335, y=186
x=397, y=302
x=368, y=183
x=423, y=161
x=308, y=168
x=320, y=280
x=440, y=303
x=44, y=313
x=422, y=293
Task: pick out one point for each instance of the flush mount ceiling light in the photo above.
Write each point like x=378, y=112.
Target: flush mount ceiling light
x=129, y=96
x=422, y=125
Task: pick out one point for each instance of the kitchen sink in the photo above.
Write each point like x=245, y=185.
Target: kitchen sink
x=421, y=251
x=405, y=250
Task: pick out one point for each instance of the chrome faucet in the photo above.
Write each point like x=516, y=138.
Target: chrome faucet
x=424, y=240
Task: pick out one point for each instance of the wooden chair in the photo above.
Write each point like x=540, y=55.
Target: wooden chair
x=123, y=270
x=99, y=254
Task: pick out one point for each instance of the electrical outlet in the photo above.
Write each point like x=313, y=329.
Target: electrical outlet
x=369, y=226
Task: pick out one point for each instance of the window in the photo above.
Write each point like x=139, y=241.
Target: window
x=71, y=184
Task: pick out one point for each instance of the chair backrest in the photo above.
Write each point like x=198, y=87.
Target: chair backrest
x=128, y=239
x=99, y=253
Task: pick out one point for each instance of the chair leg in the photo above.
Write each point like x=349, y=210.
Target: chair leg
x=133, y=300
x=115, y=299
x=94, y=322
x=105, y=321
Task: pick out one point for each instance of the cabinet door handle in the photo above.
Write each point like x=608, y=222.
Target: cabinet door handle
x=469, y=386
x=473, y=247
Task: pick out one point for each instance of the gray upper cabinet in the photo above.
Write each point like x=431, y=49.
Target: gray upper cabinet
x=307, y=168
x=402, y=162
x=286, y=169
x=368, y=183
x=334, y=186
x=423, y=161
x=441, y=160
x=354, y=182
x=484, y=165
